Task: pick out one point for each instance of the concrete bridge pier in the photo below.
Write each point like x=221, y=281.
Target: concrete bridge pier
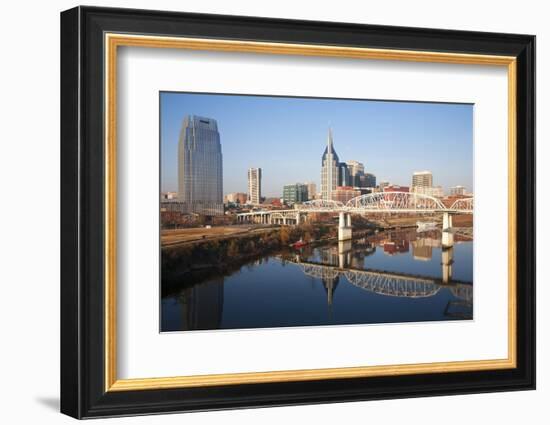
x=344, y=254
x=297, y=218
x=344, y=226
x=447, y=221
x=447, y=263
x=447, y=237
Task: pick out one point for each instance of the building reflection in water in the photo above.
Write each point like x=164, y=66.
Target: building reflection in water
x=396, y=247
x=422, y=248
x=202, y=305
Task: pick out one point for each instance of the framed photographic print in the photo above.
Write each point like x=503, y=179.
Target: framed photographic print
x=261, y=212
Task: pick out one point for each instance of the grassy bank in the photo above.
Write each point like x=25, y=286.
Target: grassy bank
x=226, y=255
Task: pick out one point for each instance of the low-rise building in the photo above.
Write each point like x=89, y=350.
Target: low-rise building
x=236, y=198
x=311, y=190
x=295, y=193
x=396, y=188
x=167, y=196
x=435, y=191
x=345, y=193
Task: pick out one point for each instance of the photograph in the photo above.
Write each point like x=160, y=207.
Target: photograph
x=279, y=211
x=262, y=210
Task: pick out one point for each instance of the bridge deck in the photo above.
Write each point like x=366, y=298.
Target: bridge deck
x=393, y=275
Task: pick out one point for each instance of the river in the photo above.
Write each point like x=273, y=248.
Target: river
x=392, y=277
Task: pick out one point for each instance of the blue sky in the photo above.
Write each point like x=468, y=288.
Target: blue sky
x=287, y=136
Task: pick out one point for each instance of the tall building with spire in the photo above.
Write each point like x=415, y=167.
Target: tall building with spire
x=329, y=169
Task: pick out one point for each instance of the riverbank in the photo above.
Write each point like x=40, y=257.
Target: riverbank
x=175, y=237
x=227, y=253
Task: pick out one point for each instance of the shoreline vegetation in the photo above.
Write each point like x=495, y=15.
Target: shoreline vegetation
x=225, y=255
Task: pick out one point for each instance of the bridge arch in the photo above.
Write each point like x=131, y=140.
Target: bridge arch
x=396, y=201
x=321, y=204
x=386, y=284
x=464, y=204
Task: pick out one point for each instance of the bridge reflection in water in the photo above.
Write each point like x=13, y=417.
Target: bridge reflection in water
x=383, y=282
x=388, y=278
x=344, y=261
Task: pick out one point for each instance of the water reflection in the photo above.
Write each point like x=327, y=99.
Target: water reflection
x=202, y=305
x=390, y=277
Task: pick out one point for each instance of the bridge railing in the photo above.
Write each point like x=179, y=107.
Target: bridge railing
x=396, y=201
x=465, y=204
x=385, y=283
x=321, y=204
x=379, y=202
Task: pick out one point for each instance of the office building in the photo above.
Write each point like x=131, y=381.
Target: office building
x=311, y=191
x=330, y=165
x=356, y=171
x=254, y=186
x=295, y=193
x=458, y=191
x=200, y=166
x=367, y=180
x=421, y=179
x=344, y=178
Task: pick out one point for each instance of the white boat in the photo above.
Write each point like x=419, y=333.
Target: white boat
x=424, y=226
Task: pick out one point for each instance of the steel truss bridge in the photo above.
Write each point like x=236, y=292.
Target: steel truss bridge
x=372, y=203
x=387, y=283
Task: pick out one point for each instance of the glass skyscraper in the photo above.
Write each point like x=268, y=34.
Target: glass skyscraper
x=370, y=180
x=200, y=166
x=356, y=170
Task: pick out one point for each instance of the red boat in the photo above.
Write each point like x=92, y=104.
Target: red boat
x=298, y=244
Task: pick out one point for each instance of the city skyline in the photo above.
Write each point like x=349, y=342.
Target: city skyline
x=392, y=139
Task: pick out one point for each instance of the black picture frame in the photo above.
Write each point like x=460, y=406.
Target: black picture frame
x=83, y=392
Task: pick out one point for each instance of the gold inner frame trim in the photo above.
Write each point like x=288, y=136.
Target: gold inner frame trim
x=113, y=41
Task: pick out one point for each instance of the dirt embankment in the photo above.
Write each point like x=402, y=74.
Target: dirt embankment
x=196, y=234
